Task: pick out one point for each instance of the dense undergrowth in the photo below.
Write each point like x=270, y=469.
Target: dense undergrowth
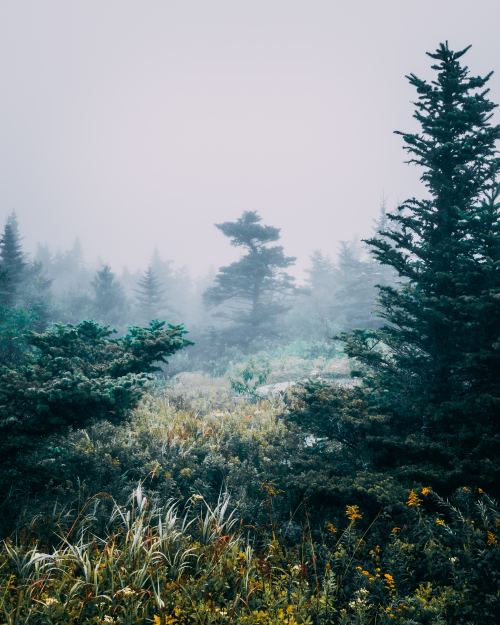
x=218, y=529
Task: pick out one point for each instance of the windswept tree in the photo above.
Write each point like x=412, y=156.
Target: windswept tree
x=109, y=301
x=254, y=291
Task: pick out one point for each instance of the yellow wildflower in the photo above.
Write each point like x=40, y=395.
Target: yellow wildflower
x=480, y=491
x=440, y=522
x=491, y=538
x=271, y=489
x=389, y=581
x=413, y=499
x=395, y=530
x=426, y=490
x=330, y=527
x=353, y=513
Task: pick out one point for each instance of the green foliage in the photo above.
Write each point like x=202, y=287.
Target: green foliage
x=251, y=376
x=432, y=370
x=15, y=323
x=309, y=546
x=159, y=563
x=71, y=376
x=336, y=517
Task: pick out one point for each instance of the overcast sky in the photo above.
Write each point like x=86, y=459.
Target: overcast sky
x=135, y=124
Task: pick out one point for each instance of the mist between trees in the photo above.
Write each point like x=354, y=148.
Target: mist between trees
x=249, y=305
x=360, y=502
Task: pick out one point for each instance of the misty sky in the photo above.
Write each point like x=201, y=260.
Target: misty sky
x=135, y=124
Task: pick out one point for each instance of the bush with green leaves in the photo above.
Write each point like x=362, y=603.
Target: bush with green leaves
x=71, y=376
x=247, y=379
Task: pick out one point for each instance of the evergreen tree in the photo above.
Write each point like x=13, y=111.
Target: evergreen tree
x=254, y=291
x=23, y=283
x=35, y=295
x=355, y=292
x=312, y=312
x=436, y=375
x=69, y=377
x=109, y=298
x=175, y=286
x=150, y=296
x=12, y=262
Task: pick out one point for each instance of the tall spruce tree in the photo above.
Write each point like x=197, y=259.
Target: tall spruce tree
x=12, y=262
x=436, y=375
x=150, y=296
x=109, y=301
x=314, y=306
x=355, y=291
x=254, y=291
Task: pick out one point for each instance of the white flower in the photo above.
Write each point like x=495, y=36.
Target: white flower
x=127, y=592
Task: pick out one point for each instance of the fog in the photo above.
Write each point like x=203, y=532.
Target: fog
x=137, y=125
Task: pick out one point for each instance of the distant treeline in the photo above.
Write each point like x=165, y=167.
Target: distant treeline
x=251, y=302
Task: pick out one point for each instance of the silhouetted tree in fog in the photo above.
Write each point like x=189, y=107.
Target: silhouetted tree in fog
x=150, y=296
x=12, y=262
x=355, y=292
x=109, y=301
x=254, y=291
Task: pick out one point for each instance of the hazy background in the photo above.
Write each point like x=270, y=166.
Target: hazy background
x=136, y=124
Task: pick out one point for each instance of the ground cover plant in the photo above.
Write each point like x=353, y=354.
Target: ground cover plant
x=143, y=563
x=182, y=549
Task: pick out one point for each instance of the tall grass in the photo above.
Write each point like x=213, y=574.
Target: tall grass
x=200, y=564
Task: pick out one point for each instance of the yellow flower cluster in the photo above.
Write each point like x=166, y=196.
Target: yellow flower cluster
x=353, y=513
x=389, y=581
x=413, y=499
x=491, y=538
